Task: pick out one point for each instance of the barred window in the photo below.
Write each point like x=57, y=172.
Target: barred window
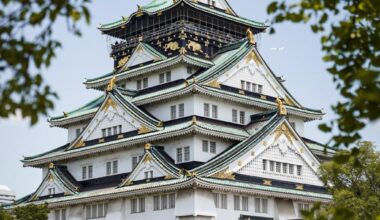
x=179, y=155
x=168, y=76
x=237, y=202
x=242, y=117
x=264, y=164
x=173, y=112
x=139, y=87
x=271, y=164
x=172, y=201
x=205, y=146
x=242, y=85
x=234, y=115
x=96, y=211
x=115, y=167
x=212, y=147
x=162, y=78
x=215, y=111
x=248, y=86
x=244, y=203
x=278, y=167
x=259, y=89
x=156, y=203
x=145, y=83
x=187, y=153
x=206, y=109
x=261, y=205
x=299, y=170
x=189, y=70
x=181, y=110
x=108, y=168
x=285, y=168
x=291, y=169
x=60, y=214
x=220, y=200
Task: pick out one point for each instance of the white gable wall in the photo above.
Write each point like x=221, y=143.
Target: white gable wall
x=253, y=73
x=51, y=184
x=72, y=131
x=161, y=110
x=218, y=3
x=199, y=155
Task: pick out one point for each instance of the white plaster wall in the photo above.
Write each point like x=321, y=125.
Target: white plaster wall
x=199, y=155
x=171, y=145
x=99, y=163
x=149, y=213
x=72, y=131
x=161, y=110
x=177, y=72
x=224, y=108
x=218, y=3
x=48, y=185
x=300, y=125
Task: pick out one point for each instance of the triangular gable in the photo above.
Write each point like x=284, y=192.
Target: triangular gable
x=116, y=111
x=220, y=4
x=152, y=161
x=55, y=180
x=253, y=70
x=277, y=141
x=143, y=53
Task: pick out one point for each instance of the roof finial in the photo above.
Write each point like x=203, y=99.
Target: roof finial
x=281, y=107
x=111, y=84
x=51, y=166
x=250, y=36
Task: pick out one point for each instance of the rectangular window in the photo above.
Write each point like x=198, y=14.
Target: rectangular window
x=244, y=203
x=223, y=199
x=215, y=111
x=60, y=214
x=291, y=169
x=120, y=129
x=254, y=86
x=135, y=161
x=216, y=200
x=242, y=85
x=164, y=201
x=261, y=205
x=299, y=170
x=90, y=172
x=189, y=70
x=138, y=84
x=104, y=133
x=145, y=83
x=260, y=89
x=285, y=168
x=187, y=153
x=264, y=164
x=156, y=203
x=278, y=167
x=115, y=167
x=173, y=112
x=96, y=211
x=109, y=131
x=301, y=207
x=51, y=191
x=115, y=130
x=162, y=78
x=206, y=109
x=77, y=132
x=205, y=146
x=149, y=174
x=271, y=166
x=134, y=205
x=84, y=173
x=248, y=86
x=172, y=201
x=212, y=147
x=237, y=202
x=234, y=115
x=181, y=110
x=168, y=76
x=242, y=117
x=179, y=155
x=108, y=168
x=142, y=204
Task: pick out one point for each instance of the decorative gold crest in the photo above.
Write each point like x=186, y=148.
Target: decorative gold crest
x=122, y=61
x=281, y=107
x=214, y=84
x=111, y=84
x=194, y=46
x=224, y=174
x=252, y=56
x=283, y=130
x=250, y=36
x=109, y=103
x=144, y=130
x=80, y=143
x=299, y=187
x=173, y=46
x=267, y=182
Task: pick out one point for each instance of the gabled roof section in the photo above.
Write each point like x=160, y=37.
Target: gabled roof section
x=158, y=6
x=58, y=178
x=121, y=107
x=278, y=124
x=228, y=59
x=142, y=54
x=83, y=113
x=123, y=74
x=157, y=161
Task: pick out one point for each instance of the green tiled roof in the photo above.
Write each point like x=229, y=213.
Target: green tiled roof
x=265, y=188
x=161, y=5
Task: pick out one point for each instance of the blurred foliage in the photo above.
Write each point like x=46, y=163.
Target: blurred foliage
x=354, y=185
x=351, y=44
x=29, y=212
x=27, y=47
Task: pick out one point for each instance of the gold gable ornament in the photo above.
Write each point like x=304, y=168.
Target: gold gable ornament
x=148, y=146
x=251, y=36
x=281, y=107
x=111, y=84
x=144, y=130
x=109, y=103
x=122, y=61
x=224, y=174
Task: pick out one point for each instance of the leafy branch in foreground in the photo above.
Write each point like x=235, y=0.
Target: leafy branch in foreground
x=27, y=46
x=351, y=43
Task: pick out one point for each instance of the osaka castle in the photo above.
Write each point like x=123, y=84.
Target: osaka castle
x=190, y=124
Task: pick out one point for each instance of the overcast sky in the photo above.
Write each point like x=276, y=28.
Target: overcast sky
x=299, y=62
